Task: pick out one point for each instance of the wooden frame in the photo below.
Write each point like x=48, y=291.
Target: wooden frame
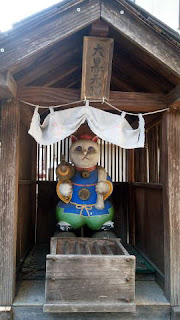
x=127, y=101
x=8, y=201
x=171, y=200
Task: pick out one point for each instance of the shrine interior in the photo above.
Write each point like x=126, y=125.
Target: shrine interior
x=137, y=199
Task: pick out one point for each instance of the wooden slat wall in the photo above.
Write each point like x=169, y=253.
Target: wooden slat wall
x=148, y=159
x=27, y=188
x=112, y=158
x=149, y=222
x=147, y=202
x=46, y=211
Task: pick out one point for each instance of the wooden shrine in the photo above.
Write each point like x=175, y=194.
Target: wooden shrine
x=97, y=50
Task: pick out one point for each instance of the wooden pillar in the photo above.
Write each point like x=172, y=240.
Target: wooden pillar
x=171, y=202
x=131, y=211
x=8, y=200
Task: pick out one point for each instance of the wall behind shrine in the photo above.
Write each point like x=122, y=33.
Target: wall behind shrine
x=112, y=158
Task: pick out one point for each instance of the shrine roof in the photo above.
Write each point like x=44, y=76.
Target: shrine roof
x=45, y=49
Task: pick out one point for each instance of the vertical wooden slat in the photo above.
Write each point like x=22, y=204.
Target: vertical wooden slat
x=50, y=162
x=112, y=162
x=160, y=151
x=42, y=162
x=124, y=165
x=53, y=159
x=53, y=245
x=8, y=201
x=131, y=165
x=65, y=149
x=97, y=248
x=120, y=165
x=117, y=164
x=48, y=171
x=45, y=163
x=106, y=157
x=131, y=211
x=77, y=248
x=171, y=200
x=108, y=249
x=61, y=149
x=102, y=154
x=88, y=251
x=38, y=160
x=68, y=147
x=111, y=172
x=57, y=153
x=66, y=246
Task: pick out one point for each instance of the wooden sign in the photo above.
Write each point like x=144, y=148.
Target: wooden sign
x=97, y=66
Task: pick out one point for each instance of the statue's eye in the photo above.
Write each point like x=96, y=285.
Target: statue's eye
x=79, y=149
x=91, y=149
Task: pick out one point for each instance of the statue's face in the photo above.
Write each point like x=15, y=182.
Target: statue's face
x=84, y=153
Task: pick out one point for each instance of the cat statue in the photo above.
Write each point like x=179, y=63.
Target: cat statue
x=83, y=194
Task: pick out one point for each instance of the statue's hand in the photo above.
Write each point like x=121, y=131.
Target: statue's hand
x=65, y=189
x=102, y=188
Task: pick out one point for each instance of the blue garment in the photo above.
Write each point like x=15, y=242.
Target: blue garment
x=78, y=182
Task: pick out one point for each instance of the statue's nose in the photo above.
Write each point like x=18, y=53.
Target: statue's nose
x=85, y=152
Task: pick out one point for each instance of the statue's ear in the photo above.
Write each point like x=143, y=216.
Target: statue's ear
x=73, y=138
x=95, y=139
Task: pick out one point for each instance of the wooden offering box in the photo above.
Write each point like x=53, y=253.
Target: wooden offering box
x=89, y=275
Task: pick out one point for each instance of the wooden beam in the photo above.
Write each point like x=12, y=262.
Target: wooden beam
x=118, y=15
x=137, y=74
x=171, y=203
x=57, y=74
x=49, y=61
x=121, y=84
x=127, y=101
x=99, y=29
x=66, y=19
x=8, y=201
x=173, y=98
x=8, y=87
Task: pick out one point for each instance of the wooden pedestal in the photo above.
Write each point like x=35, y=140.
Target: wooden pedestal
x=88, y=275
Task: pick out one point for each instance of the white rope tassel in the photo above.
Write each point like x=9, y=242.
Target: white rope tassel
x=141, y=129
x=35, y=127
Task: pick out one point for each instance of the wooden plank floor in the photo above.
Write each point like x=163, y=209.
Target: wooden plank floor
x=150, y=300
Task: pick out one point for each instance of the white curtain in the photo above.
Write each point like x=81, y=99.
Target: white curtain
x=107, y=126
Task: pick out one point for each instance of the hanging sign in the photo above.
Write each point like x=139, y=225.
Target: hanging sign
x=97, y=66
